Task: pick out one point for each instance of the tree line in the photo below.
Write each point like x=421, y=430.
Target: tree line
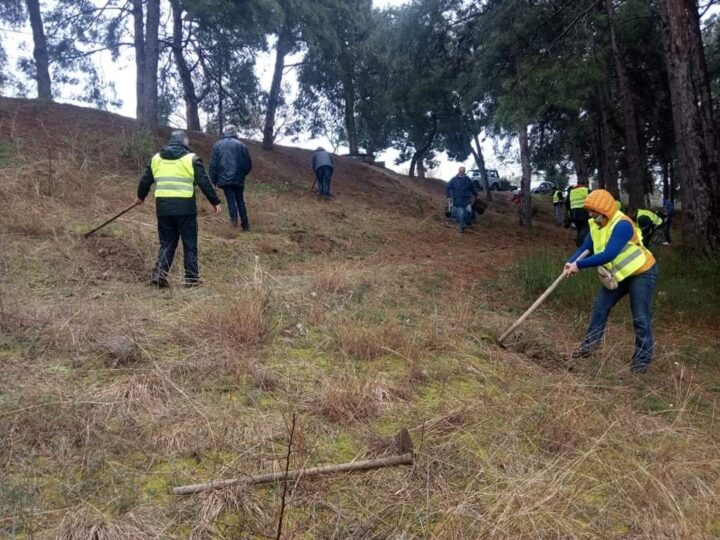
x=619, y=90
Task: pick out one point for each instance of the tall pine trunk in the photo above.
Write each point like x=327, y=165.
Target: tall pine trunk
x=609, y=154
x=350, y=127
x=522, y=132
x=191, y=99
x=284, y=44
x=152, y=57
x=695, y=136
x=416, y=162
x=526, y=203
x=578, y=158
x=346, y=74
x=139, y=42
x=40, y=51
x=635, y=156
x=480, y=162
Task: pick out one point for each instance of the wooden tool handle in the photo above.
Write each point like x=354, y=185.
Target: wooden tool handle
x=539, y=301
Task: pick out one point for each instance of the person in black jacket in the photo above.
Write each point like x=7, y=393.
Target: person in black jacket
x=230, y=163
x=176, y=171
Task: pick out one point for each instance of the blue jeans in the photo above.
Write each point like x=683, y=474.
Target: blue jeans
x=236, y=204
x=324, y=176
x=462, y=215
x=641, y=289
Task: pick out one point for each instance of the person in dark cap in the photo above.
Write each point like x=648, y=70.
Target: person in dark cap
x=322, y=164
x=176, y=171
x=230, y=163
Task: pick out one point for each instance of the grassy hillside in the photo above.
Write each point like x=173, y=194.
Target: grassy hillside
x=359, y=316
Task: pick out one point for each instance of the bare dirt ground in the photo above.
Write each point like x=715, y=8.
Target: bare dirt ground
x=358, y=316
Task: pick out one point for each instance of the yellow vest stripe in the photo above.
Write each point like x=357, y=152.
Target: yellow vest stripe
x=632, y=256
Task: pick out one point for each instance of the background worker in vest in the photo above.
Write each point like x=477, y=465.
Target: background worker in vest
x=557, y=199
x=615, y=244
x=649, y=222
x=175, y=172
x=578, y=215
x=230, y=163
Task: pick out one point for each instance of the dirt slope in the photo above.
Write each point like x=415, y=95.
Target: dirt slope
x=358, y=316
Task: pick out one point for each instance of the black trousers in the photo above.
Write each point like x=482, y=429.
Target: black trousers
x=170, y=230
x=580, y=217
x=647, y=228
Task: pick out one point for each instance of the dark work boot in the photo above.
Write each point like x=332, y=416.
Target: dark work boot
x=245, y=226
x=159, y=280
x=582, y=352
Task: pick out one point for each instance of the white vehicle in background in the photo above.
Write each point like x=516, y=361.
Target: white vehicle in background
x=492, y=176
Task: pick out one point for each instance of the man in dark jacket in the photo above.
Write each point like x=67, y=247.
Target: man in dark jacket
x=459, y=192
x=322, y=164
x=176, y=171
x=230, y=163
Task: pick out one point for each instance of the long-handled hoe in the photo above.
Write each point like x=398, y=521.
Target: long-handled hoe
x=133, y=205
x=537, y=303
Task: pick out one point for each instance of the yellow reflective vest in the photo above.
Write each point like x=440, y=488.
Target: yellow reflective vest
x=174, y=178
x=557, y=196
x=656, y=220
x=578, y=196
x=632, y=257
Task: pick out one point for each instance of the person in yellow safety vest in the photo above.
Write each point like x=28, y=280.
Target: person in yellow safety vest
x=176, y=171
x=615, y=244
x=557, y=199
x=649, y=222
x=578, y=215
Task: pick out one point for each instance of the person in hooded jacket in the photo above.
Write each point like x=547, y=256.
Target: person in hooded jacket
x=322, y=164
x=176, y=171
x=615, y=244
x=230, y=163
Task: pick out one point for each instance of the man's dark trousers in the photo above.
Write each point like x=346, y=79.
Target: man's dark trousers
x=236, y=204
x=580, y=217
x=324, y=176
x=170, y=230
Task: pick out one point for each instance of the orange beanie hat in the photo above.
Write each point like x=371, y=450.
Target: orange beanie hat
x=602, y=202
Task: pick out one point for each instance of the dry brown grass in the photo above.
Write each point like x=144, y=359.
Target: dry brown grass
x=392, y=333
x=336, y=279
x=235, y=322
x=346, y=398
x=87, y=523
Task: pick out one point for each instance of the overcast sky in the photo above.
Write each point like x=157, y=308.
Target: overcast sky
x=122, y=74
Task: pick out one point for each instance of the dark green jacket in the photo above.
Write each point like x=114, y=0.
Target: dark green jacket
x=178, y=206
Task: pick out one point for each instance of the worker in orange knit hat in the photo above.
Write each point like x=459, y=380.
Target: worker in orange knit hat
x=624, y=267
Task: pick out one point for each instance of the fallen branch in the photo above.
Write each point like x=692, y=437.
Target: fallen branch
x=403, y=459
